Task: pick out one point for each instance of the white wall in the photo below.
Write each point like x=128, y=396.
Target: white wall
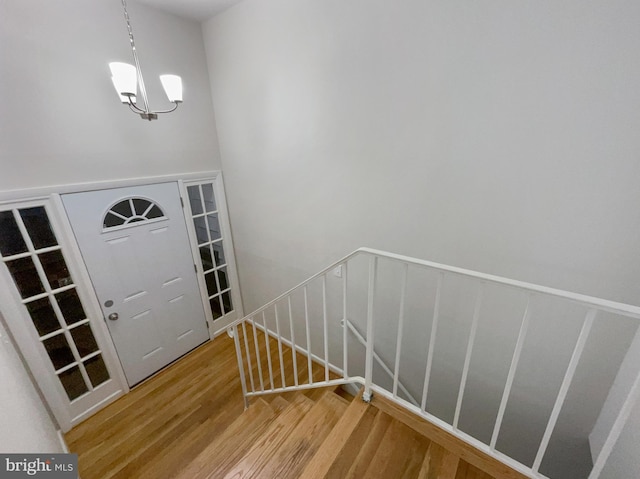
x=26, y=425
x=497, y=136
x=61, y=120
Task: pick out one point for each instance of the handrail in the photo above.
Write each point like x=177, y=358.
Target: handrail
x=322, y=359
x=298, y=286
x=598, y=303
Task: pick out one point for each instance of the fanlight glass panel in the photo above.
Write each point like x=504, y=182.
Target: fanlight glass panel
x=131, y=210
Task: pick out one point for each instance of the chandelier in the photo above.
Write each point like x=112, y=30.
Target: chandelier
x=127, y=80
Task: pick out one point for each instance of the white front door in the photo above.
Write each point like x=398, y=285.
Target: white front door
x=135, y=245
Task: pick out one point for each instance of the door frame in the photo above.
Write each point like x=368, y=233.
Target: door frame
x=16, y=317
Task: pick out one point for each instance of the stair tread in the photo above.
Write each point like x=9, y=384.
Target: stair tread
x=348, y=454
x=226, y=449
x=279, y=403
x=400, y=453
x=321, y=463
x=467, y=471
x=368, y=450
x=268, y=443
x=303, y=442
x=464, y=451
x=439, y=463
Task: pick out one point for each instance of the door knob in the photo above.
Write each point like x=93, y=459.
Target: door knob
x=113, y=316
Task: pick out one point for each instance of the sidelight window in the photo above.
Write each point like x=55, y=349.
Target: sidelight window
x=206, y=221
x=35, y=260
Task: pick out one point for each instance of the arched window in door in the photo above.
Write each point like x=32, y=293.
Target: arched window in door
x=131, y=210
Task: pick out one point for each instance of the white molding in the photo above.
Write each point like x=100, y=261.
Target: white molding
x=223, y=209
x=99, y=405
x=43, y=192
x=63, y=443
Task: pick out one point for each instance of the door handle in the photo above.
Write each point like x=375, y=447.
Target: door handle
x=113, y=316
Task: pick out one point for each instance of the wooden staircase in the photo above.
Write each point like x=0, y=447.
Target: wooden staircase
x=188, y=422
x=320, y=434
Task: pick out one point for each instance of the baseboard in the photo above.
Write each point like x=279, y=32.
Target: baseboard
x=63, y=443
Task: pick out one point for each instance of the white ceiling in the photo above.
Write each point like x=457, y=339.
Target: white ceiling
x=195, y=9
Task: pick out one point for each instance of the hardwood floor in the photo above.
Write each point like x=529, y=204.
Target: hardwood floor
x=165, y=422
x=188, y=422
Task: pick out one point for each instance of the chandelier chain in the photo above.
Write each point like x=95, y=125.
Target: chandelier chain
x=143, y=90
x=128, y=20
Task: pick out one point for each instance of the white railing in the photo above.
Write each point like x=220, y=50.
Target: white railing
x=267, y=337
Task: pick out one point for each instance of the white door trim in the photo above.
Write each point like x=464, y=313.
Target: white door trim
x=11, y=196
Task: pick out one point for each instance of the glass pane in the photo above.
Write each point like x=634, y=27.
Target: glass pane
x=140, y=205
x=226, y=302
x=194, y=199
x=26, y=277
x=43, y=316
x=155, y=212
x=216, y=310
x=209, y=198
x=123, y=208
x=11, y=240
x=214, y=227
x=223, y=278
x=73, y=382
x=205, y=256
x=218, y=253
x=70, y=306
x=56, y=269
x=201, y=230
x=84, y=339
x=111, y=220
x=96, y=370
x=59, y=351
x=38, y=227
x=210, y=279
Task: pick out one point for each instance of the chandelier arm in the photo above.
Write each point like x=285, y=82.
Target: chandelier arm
x=134, y=108
x=145, y=112
x=169, y=111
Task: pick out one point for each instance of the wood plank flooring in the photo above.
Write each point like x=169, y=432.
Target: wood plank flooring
x=188, y=422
